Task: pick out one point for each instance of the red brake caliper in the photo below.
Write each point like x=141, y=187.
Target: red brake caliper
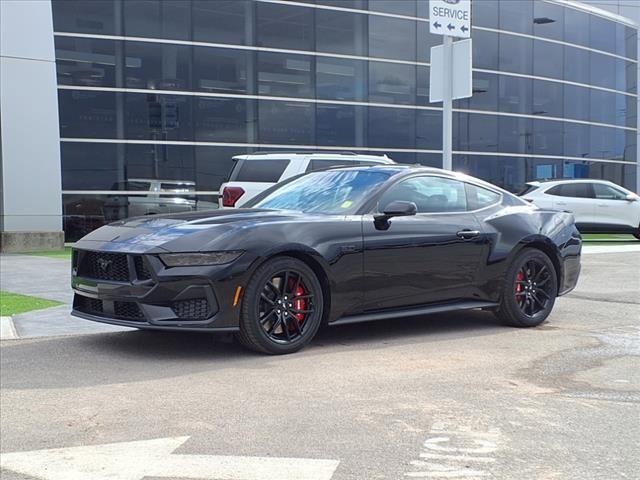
x=519, y=278
x=300, y=303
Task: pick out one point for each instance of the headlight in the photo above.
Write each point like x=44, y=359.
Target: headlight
x=198, y=259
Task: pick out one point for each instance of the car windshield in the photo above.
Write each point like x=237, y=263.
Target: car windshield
x=330, y=192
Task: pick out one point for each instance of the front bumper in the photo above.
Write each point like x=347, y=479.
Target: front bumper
x=139, y=291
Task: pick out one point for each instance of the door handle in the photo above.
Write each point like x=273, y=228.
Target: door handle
x=561, y=203
x=468, y=234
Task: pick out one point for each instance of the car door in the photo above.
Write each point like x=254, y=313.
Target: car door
x=613, y=208
x=576, y=198
x=430, y=257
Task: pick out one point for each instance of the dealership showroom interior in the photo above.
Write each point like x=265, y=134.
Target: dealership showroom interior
x=319, y=239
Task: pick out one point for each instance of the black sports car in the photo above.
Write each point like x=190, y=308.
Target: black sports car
x=335, y=246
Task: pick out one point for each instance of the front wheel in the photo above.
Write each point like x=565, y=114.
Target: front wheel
x=637, y=233
x=282, y=307
x=529, y=291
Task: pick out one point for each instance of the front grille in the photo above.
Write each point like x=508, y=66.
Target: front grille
x=103, y=266
x=127, y=311
x=192, y=309
x=142, y=270
x=88, y=305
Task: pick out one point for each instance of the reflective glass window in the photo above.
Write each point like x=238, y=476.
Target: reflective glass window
x=485, y=93
x=475, y=132
x=286, y=122
x=221, y=70
x=573, y=190
x=221, y=21
x=577, y=65
x=284, y=26
x=284, y=74
x=602, y=33
x=97, y=171
x=548, y=20
x=213, y=165
x=426, y=40
x=548, y=59
x=607, y=192
x=392, y=38
x=161, y=162
x=515, y=135
x=399, y=7
x=340, y=32
x=607, y=143
x=626, y=77
x=222, y=119
x=157, y=66
x=603, y=70
x=515, y=94
x=157, y=18
x=360, y=4
x=97, y=16
x=576, y=27
x=392, y=127
x=485, y=50
x=158, y=117
x=576, y=140
x=422, y=87
x=604, y=108
x=429, y=129
x=261, y=170
x=86, y=61
x=88, y=114
x=577, y=102
x=340, y=125
x=392, y=83
x=547, y=98
x=548, y=137
x=341, y=79
x=620, y=174
x=485, y=13
x=516, y=16
x=515, y=54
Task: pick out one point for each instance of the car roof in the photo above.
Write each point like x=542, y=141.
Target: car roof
x=324, y=155
x=560, y=181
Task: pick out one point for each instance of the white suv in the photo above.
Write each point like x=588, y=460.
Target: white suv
x=598, y=206
x=254, y=173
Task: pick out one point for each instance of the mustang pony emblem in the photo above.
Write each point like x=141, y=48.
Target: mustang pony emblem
x=104, y=265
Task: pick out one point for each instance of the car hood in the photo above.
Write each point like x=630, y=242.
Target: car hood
x=185, y=232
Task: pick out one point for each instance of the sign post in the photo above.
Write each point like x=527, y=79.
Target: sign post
x=451, y=18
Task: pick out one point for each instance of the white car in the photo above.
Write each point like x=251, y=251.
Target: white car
x=598, y=206
x=254, y=173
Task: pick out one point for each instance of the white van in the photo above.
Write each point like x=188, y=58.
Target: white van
x=254, y=173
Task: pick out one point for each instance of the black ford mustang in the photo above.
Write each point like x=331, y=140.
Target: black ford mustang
x=335, y=246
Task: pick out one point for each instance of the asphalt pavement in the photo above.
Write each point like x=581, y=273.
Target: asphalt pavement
x=444, y=396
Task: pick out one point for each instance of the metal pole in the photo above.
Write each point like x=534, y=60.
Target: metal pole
x=447, y=102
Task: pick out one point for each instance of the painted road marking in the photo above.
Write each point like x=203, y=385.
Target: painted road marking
x=456, y=453
x=155, y=458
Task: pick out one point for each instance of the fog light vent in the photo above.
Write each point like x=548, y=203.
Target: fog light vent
x=191, y=309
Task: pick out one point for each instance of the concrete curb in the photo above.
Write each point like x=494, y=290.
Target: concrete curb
x=589, y=249
x=7, y=329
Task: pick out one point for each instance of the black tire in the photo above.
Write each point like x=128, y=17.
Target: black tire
x=530, y=290
x=269, y=323
x=637, y=233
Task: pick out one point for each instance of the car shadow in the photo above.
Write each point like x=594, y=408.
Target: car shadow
x=132, y=356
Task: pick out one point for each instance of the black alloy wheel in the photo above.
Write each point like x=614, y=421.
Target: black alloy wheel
x=282, y=307
x=530, y=290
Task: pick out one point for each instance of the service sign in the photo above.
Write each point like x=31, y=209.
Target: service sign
x=450, y=17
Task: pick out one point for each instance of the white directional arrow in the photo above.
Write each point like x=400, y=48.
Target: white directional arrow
x=155, y=458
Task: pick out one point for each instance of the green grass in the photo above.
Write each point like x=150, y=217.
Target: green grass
x=13, y=303
x=608, y=239
x=64, y=254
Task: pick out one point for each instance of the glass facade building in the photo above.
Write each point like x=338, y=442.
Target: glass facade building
x=170, y=90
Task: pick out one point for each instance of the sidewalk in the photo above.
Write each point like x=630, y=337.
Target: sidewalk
x=48, y=278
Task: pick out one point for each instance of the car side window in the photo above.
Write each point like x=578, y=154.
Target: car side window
x=430, y=194
x=575, y=190
x=321, y=164
x=605, y=192
x=478, y=197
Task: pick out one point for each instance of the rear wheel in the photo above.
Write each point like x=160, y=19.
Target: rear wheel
x=637, y=233
x=530, y=290
x=282, y=307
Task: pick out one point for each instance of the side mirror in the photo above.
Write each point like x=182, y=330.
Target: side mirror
x=632, y=197
x=397, y=208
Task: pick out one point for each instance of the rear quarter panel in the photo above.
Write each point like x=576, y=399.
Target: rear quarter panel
x=511, y=229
